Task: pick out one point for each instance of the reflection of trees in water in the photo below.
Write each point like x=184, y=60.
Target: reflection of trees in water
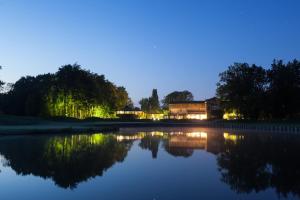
x=258, y=162
x=178, y=151
x=251, y=163
x=151, y=143
x=68, y=160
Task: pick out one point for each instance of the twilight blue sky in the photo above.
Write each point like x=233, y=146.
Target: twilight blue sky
x=144, y=44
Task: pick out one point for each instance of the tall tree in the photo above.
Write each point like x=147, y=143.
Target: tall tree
x=154, y=102
x=145, y=105
x=284, y=89
x=129, y=105
x=151, y=104
x=242, y=88
x=122, y=98
x=177, y=96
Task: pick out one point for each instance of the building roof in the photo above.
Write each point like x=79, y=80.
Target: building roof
x=187, y=102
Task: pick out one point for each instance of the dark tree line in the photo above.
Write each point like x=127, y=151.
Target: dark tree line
x=70, y=92
x=257, y=93
x=151, y=104
x=177, y=96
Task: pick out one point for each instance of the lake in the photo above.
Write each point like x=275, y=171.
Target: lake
x=151, y=164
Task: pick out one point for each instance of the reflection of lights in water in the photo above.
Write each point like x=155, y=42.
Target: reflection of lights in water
x=128, y=137
x=160, y=134
x=197, y=134
x=157, y=133
x=191, y=134
x=232, y=137
x=139, y=135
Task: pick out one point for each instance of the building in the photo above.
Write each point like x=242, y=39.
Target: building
x=138, y=114
x=130, y=114
x=208, y=109
x=200, y=110
x=188, y=110
x=213, y=107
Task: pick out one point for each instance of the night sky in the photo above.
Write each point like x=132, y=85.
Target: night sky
x=144, y=44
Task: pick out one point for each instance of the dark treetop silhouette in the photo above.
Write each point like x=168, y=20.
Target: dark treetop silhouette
x=255, y=93
x=177, y=96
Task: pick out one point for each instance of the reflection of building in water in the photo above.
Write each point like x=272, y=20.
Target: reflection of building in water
x=139, y=135
x=183, y=144
x=215, y=142
x=177, y=143
x=128, y=137
x=194, y=140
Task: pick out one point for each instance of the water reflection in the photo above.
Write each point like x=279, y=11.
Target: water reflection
x=184, y=144
x=246, y=162
x=258, y=161
x=68, y=160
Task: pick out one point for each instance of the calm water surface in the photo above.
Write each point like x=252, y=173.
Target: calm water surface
x=151, y=164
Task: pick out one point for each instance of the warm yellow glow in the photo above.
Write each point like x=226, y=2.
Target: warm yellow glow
x=141, y=115
x=197, y=134
x=196, y=116
x=97, y=138
x=189, y=116
x=230, y=115
x=232, y=137
x=155, y=117
x=123, y=112
x=157, y=133
x=128, y=137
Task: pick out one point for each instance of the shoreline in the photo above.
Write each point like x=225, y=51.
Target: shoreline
x=52, y=127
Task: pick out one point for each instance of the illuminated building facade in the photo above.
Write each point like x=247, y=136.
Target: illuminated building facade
x=188, y=110
x=198, y=110
x=138, y=115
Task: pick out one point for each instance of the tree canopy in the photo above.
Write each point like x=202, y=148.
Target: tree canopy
x=284, y=89
x=151, y=104
x=177, y=96
x=256, y=93
x=70, y=92
x=241, y=87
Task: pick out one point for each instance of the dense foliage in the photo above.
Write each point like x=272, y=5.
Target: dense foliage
x=256, y=93
x=284, y=89
x=151, y=104
x=177, y=96
x=70, y=92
